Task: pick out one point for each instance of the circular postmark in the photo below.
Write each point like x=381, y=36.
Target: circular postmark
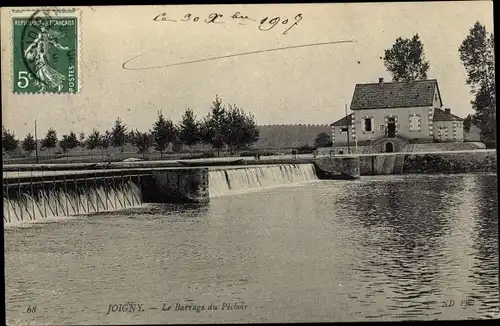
x=43, y=49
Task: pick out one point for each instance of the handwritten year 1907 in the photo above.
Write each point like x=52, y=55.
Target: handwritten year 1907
x=264, y=24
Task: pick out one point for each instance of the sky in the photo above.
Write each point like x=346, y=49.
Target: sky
x=303, y=85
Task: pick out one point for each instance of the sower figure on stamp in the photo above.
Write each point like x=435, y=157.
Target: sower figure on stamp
x=38, y=52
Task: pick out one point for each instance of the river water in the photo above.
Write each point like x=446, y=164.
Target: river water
x=375, y=249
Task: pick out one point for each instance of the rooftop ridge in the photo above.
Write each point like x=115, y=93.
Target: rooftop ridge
x=296, y=125
x=401, y=82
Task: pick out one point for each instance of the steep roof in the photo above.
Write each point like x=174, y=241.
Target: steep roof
x=342, y=122
x=394, y=94
x=440, y=115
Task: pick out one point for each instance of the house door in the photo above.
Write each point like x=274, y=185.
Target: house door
x=389, y=147
x=391, y=128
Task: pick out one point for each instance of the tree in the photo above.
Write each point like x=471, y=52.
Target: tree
x=72, y=140
x=93, y=140
x=118, y=135
x=216, y=131
x=81, y=140
x=164, y=133
x=251, y=131
x=172, y=132
x=177, y=145
x=64, y=143
x=129, y=136
x=9, y=141
x=323, y=140
x=467, y=123
x=50, y=140
x=105, y=141
x=29, y=144
x=406, y=60
x=235, y=120
x=68, y=142
x=204, y=132
x=477, y=55
x=142, y=140
x=242, y=130
x=189, y=130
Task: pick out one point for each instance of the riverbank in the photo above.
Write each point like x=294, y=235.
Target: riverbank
x=476, y=161
x=370, y=164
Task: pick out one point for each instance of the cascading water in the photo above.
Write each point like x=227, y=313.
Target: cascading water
x=52, y=203
x=228, y=181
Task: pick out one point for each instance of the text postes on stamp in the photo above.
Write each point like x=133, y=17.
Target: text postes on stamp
x=45, y=56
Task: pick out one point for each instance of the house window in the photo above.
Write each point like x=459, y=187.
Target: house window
x=382, y=127
x=343, y=130
x=368, y=124
x=443, y=133
x=415, y=123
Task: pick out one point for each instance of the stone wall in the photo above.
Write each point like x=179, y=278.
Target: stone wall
x=438, y=162
x=374, y=164
x=188, y=185
x=346, y=167
x=463, y=162
x=453, y=146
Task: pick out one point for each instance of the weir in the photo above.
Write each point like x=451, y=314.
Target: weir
x=34, y=195
x=37, y=196
x=227, y=181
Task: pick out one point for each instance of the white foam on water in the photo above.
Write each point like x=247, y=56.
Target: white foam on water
x=49, y=205
x=244, y=180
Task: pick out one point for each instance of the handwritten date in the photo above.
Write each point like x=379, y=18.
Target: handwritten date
x=264, y=24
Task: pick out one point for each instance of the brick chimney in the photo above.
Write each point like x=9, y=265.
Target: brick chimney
x=447, y=111
x=381, y=82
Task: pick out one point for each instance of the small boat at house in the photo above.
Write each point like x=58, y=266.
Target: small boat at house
x=208, y=162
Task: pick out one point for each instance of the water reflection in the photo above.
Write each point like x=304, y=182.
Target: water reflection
x=406, y=225
x=485, y=270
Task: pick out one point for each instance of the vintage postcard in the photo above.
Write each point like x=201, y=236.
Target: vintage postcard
x=266, y=163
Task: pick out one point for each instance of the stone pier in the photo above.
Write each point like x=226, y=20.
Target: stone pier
x=189, y=185
x=337, y=167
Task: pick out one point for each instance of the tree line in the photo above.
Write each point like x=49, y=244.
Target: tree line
x=405, y=61
x=225, y=126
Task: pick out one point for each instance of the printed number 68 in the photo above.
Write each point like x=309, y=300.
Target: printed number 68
x=24, y=79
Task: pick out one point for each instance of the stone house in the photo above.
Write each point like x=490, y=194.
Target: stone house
x=387, y=117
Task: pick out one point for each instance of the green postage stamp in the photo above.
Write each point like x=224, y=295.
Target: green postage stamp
x=45, y=50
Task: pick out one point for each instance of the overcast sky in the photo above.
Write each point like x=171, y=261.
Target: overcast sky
x=305, y=85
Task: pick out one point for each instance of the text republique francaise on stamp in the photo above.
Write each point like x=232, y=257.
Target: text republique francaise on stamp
x=45, y=50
